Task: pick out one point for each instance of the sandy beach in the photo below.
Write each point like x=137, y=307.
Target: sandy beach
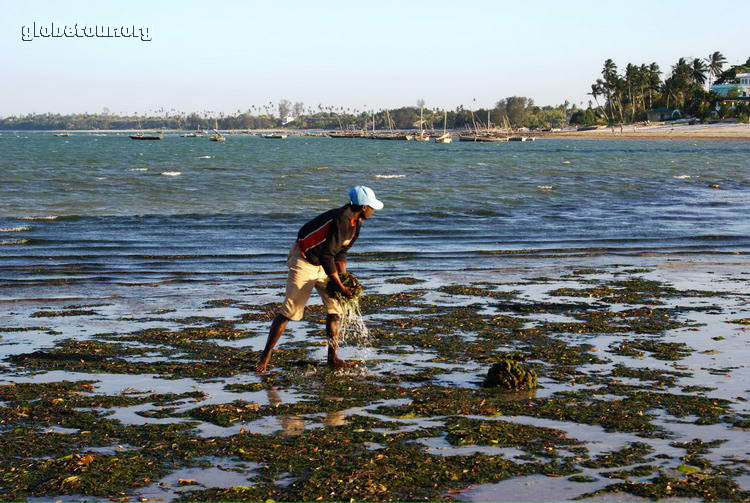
x=663, y=132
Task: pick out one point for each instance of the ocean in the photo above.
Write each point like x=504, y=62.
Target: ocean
x=102, y=207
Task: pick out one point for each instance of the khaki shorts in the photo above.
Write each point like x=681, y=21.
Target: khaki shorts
x=303, y=276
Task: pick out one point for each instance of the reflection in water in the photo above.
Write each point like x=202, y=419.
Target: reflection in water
x=294, y=425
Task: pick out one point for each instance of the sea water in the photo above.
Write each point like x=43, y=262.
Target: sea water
x=106, y=210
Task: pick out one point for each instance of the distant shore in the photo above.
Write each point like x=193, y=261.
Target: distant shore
x=739, y=132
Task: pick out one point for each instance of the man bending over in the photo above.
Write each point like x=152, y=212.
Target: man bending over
x=317, y=257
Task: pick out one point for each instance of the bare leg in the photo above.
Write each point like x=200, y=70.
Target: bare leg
x=333, y=322
x=277, y=328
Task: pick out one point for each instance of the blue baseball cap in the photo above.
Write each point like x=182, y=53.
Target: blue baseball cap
x=364, y=196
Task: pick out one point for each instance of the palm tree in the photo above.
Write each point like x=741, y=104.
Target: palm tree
x=698, y=71
x=654, y=82
x=715, y=63
x=596, y=91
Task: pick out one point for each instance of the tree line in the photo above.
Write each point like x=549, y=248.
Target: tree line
x=628, y=95
x=515, y=111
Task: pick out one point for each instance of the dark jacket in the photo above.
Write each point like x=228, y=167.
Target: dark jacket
x=321, y=239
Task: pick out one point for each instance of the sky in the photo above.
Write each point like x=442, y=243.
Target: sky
x=232, y=55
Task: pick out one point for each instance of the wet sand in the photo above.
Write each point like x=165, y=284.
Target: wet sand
x=642, y=367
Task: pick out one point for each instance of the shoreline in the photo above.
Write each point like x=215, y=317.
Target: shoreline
x=738, y=132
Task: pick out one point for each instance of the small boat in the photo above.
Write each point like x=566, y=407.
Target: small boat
x=423, y=134
x=483, y=138
x=62, y=134
x=145, y=137
x=217, y=136
x=275, y=136
x=445, y=137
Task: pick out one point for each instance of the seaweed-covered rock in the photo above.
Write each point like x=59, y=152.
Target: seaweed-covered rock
x=510, y=374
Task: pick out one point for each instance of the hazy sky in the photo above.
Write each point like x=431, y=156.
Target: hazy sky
x=229, y=55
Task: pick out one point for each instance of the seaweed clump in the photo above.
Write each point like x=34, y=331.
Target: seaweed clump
x=352, y=325
x=510, y=374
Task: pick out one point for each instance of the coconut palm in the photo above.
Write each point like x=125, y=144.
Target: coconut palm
x=698, y=71
x=715, y=63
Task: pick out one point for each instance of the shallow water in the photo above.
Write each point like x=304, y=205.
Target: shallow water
x=107, y=223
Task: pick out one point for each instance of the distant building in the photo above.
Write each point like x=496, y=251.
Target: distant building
x=286, y=120
x=663, y=114
x=741, y=86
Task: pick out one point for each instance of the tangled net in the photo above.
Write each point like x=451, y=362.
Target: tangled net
x=352, y=330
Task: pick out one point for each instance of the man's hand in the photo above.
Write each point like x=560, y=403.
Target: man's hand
x=348, y=292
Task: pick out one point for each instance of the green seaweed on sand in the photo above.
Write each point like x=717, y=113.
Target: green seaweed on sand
x=477, y=292
x=84, y=474
x=634, y=290
x=406, y=280
x=708, y=487
x=630, y=454
x=71, y=312
x=499, y=433
x=658, y=349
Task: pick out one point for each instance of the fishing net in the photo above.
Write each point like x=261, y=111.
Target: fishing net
x=352, y=330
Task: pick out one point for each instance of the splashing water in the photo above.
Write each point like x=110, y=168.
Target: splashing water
x=353, y=331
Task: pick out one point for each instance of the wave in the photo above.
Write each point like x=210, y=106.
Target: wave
x=48, y=217
x=171, y=173
x=138, y=169
x=14, y=242
x=390, y=176
x=15, y=229
x=683, y=177
x=205, y=157
x=544, y=187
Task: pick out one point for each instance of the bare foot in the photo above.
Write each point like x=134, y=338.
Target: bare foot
x=261, y=368
x=342, y=364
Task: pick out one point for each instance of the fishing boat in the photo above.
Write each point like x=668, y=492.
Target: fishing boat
x=521, y=138
x=141, y=136
x=482, y=138
x=217, y=136
x=62, y=134
x=445, y=137
x=423, y=134
x=275, y=136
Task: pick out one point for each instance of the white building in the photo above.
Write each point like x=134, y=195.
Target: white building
x=742, y=86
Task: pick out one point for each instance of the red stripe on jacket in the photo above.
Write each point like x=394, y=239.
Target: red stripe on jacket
x=314, y=238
